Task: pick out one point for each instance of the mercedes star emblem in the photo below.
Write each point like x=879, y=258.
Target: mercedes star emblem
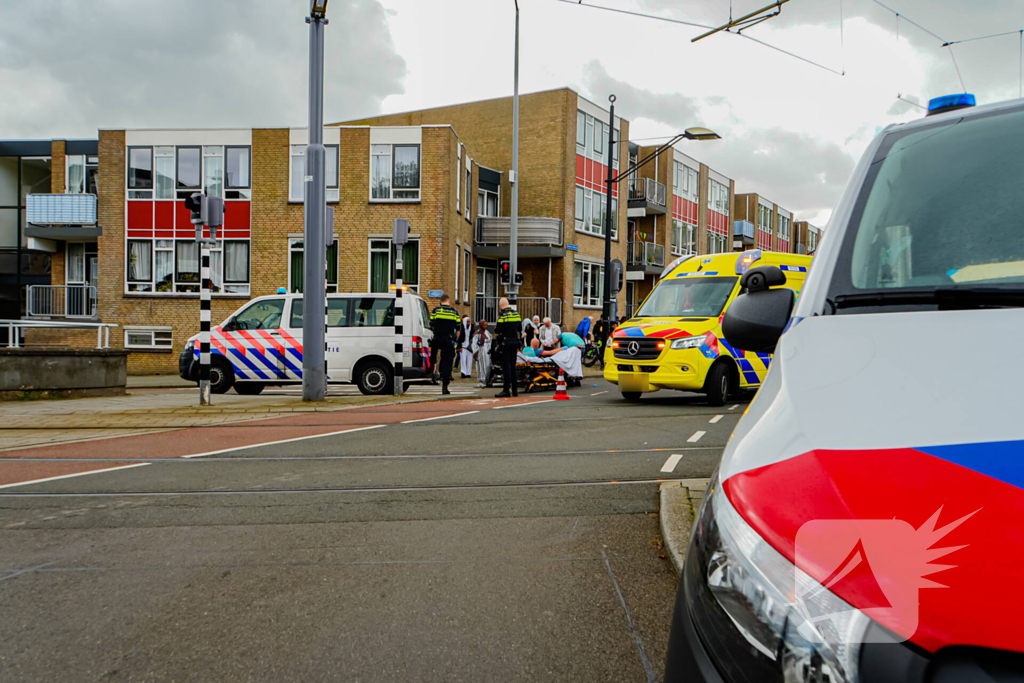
x=634, y=348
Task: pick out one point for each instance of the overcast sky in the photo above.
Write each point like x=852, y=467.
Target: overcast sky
x=792, y=131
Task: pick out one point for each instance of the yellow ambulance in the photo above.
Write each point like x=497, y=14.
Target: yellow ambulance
x=674, y=340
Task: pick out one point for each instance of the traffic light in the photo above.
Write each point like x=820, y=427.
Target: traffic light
x=196, y=203
x=505, y=273
x=616, y=278
x=519, y=278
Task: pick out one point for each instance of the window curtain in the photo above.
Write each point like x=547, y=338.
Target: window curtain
x=411, y=263
x=332, y=263
x=379, y=271
x=407, y=169
x=577, y=281
x=380, y=181
x=139, y=261
x=76, y=262
x=297, y=260
x=187, y=256
x=216, y=271
x=76, y=174
x=236, y=261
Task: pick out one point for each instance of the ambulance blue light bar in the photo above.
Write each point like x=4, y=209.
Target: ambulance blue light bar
x=282, y=290
x=938, y=105
x=747, y=259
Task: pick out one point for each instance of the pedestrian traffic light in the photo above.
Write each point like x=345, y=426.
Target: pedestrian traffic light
x=505, y=273
x=616, y=279
x=196, y=203
x=519, y=278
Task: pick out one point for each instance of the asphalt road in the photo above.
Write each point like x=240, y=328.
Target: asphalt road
x=473, y=543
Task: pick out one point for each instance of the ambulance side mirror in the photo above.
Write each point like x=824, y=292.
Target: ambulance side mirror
x=755, y=320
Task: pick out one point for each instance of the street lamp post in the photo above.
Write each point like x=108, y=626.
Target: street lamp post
x=512, y=288
x=314, y=276
x=699, y=134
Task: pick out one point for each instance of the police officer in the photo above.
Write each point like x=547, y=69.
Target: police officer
x=507, y=332
x=444, y=322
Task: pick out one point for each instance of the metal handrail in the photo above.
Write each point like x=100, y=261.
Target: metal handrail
x=646, y=189
x=645, y=254
x=14, y=328
x=486, y=308
x=61, y=301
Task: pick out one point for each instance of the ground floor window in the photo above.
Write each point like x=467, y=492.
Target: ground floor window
x=148, y=338
x=716, y=243
x=296, y=263
x=382, y=265
x=588, y=284
x=684, y=238
x=173, y=266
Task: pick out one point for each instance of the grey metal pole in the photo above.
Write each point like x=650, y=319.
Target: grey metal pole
x=314, y=285
x=512, y=289
x=610, y=183
x=399, y=324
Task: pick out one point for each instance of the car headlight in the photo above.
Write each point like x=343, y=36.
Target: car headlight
x=758, y=615
x=689, y=342
x=190, y=344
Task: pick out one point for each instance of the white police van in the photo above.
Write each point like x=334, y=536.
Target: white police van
x=864, y=524
x=260, y=344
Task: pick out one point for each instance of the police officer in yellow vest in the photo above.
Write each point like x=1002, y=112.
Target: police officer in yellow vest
x=444, y=322
x=507, y=341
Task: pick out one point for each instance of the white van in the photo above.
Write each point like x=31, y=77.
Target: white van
x=260, y=344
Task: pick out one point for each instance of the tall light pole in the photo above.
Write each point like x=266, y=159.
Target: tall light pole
x=512, y=289
x=314, y=276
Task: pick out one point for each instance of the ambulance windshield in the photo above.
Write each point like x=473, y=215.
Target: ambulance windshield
x=698, y=297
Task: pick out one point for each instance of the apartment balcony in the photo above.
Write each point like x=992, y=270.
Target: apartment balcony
x=743, y=234
x=538, y=237
x=800, y=249
x=61, y=216
x=646, y=198
x=645, y=257
x=61, y=301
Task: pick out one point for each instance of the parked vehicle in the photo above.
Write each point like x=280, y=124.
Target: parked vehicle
x=261, y=344
x=864, y=522
x=674, y=341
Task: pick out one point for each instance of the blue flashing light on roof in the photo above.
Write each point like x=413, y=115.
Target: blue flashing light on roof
x=746, y=260
x=282, y=290
x=669, y=267
x=938, y=105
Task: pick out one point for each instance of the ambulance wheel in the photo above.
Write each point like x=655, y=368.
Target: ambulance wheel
x=374, y=379
x=248, y=388
x=716, y=386
x=632, y=396
x=221, y=375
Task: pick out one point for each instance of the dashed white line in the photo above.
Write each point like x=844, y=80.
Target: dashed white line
x=440, y=417
x=598, y=393
x=716, y=418
x=520, y=405
x=670, y=464
x=274, y=443
x=734, y=407
x=696, y=437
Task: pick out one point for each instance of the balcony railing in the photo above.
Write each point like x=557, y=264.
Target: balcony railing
x=61, y=209
x=532, y=230
x=645, y=189
x=800, y=249
x=645, y=254
x=486, y=308
x=61, y=301
x=743, y=229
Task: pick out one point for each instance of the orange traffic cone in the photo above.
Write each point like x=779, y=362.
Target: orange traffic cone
x=560, y=392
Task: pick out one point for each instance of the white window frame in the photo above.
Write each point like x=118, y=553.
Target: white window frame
x=482, y=196
x=458, y=181
x=467, y=264
x=152, y=331
x=458, y=263
x=391, y=264
x=469, y=187
x=588, y=271
x=292, y=241
x=598, y=203
x=391, y=199
x=299, y=151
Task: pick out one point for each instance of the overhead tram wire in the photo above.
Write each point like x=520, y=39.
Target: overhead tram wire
x=580, y=3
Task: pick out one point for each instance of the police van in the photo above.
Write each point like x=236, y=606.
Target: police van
x=260, y=344
x=864, y=523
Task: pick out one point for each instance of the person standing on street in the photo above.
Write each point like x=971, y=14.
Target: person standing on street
x=444, y=321
x=481, y=349
x=507, y=331
x=465, y=347
x=530, y=329
x=602, y=330
x=549, y=333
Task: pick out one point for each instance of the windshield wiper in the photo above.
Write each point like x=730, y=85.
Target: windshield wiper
x=946, y=298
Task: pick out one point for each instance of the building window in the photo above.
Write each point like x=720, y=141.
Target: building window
x=382, y=261
x=718, y=197
x=458, y=260
x=238, y=167
x=487, y=202
x=684, y=238
x=598, y=140
x=296, y=263
x=581, y=135
x=81, y=174
x=148, y=338
x=469, y=184
x=189, y=168
x=465, y=275
x=140, y=172
x=588, y=284
x=458, y=181
x=590, y=212
x=177, y=266
x=164, y=162
x=395, y=172
x=297, y=175
x=686, y=181
x=186, y=266
x=213, y=171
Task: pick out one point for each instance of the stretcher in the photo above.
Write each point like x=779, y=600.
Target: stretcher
x=539, y=374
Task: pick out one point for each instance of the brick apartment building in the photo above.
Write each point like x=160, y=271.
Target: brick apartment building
x=129, y=257
x=761, y=224
x=677, y=207
x=805, y=237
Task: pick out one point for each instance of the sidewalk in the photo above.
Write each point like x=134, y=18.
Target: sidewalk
x=680, y=501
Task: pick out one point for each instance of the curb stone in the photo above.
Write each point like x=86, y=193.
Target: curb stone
x=680, y=499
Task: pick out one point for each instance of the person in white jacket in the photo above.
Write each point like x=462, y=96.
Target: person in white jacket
x=465, y=348
x=481, y=346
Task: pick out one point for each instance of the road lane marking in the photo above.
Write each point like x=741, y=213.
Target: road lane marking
x=439, y=417
x=716, y=418
x=520, y=405
x=648, y=668
x=26, y=571
x=670, y=464
x=734, y=407
x=600, y=392
x=274, y=443
x=68, y=476
x=696, y=437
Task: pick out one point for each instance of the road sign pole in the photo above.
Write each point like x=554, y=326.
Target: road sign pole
x=608, y=218
x=399, y=236
x=204, y=325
